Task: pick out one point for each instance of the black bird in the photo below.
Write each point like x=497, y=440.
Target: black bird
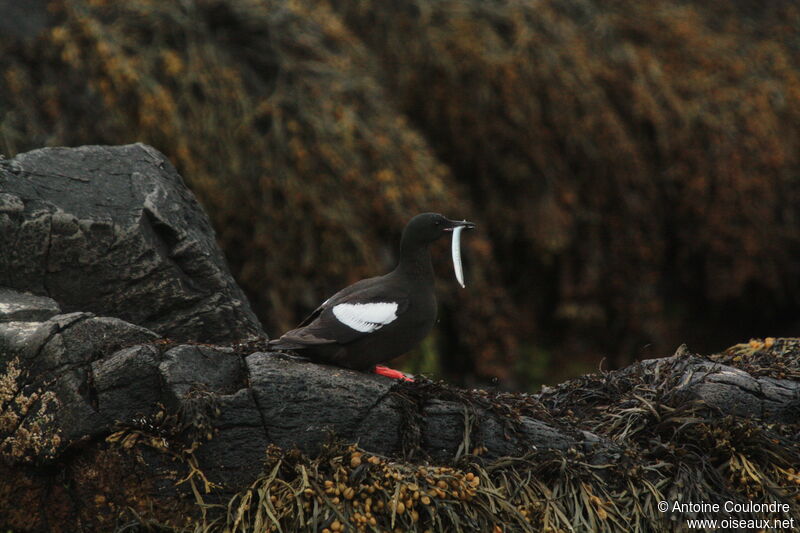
x=378, y=319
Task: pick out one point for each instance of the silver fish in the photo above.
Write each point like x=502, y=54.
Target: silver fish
x=457, y=255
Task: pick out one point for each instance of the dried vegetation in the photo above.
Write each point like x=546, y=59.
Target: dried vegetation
x=633, y=169
x=657, y=444
x=25, y=417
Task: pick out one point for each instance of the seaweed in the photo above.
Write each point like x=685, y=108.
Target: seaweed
x=658, y=444
x=631, y=169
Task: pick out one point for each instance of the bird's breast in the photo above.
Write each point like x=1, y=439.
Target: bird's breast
x=423, y=311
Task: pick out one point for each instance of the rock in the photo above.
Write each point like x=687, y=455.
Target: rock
x=56, y=377
x=100, y=375
x=114, y=231
x=302, y=404
x=23, y=307
x=14, y=337
x=736, y=392
x=99, y=380
x=20, y=316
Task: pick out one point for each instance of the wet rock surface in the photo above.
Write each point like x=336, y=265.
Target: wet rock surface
x=20, y=316
x=114, y=231
x=97, y=381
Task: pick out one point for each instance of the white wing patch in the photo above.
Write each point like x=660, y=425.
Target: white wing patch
x=366, y=317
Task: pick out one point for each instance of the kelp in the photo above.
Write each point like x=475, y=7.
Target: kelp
x=777, y=358
x=275, y=114
x=636, y=164
x=654, y=444
x=632, y=170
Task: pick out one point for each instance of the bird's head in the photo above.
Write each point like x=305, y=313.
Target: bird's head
x=429, y=227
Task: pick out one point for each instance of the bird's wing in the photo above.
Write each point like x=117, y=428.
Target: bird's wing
x=359, y=286
x=347, y=316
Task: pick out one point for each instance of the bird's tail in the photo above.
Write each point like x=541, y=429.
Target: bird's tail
x=297, y=339
x=284, y=344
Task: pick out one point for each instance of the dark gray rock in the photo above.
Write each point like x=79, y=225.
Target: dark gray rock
x=736, y=392
x=265, y=398
x=14, y=337
x=114, y=231
x=105, y=375
x=731, y=390
x=128, y=384
x=20, y=316
x=76, y=339
x=382, y=427
x=302, y=403
x=444, y=428
x=238, y=448
x=215, y=369
x=58, y=357
x=24, y=307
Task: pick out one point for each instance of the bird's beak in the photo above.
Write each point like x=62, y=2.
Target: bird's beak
x=457, y=228
x=459, y=224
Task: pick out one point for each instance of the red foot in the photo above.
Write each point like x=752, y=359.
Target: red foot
x=391, y=373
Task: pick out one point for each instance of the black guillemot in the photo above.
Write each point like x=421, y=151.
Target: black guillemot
x=377, y=319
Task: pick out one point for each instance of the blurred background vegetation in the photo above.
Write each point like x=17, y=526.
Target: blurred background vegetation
x=634, y=168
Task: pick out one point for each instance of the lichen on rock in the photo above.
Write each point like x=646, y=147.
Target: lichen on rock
x=25, y=418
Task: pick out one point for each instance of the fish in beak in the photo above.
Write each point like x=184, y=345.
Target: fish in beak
x=457, y=227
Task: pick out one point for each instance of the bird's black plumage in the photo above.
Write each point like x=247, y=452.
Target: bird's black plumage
x=377, y=319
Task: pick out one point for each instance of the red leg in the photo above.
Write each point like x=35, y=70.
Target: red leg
x=391, y=373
